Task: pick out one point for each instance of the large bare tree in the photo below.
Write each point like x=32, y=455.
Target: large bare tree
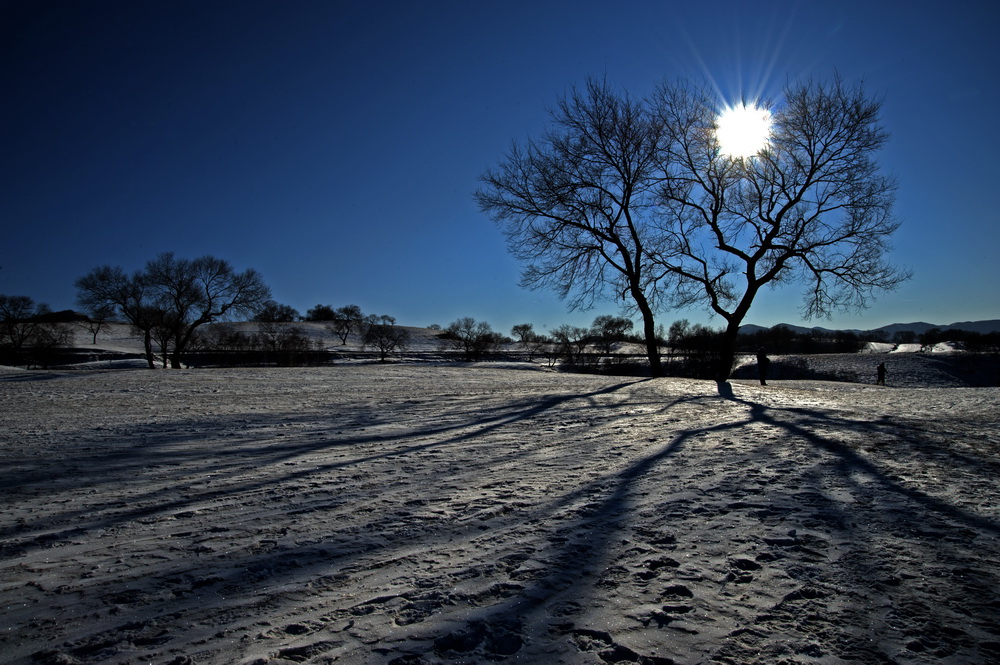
x=110, y=287
x=178, y=295
x=637, y=199
x=199, y=291
x=810, y=208
x=575, y=204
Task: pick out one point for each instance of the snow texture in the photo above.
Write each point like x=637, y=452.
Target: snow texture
x=419, y=513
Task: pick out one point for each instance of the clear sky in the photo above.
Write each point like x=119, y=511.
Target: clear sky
x=335, y=146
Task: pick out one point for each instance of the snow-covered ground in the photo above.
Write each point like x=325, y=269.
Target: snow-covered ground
x=409, y=513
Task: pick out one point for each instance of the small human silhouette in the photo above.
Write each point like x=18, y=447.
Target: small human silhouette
x=762, y=362
x=880, y=372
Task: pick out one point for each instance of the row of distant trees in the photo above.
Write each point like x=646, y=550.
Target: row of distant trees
x=283, y=343
x=970, y=340
x=269, y=344
x=30, y=333
x=169, y=301
x=172, y=298
x=785, y=340
x=34, y=333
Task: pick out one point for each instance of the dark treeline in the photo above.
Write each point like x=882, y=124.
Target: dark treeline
x=33, y=335
x=270, y=344
x=694, y=350
x=285, y=344
x=968, y=340
x=784, y=340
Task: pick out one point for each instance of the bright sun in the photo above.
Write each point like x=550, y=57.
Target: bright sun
x=743, y=130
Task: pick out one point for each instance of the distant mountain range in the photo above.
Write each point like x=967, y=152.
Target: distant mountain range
x=918, y=327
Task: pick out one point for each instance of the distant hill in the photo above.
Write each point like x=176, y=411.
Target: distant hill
x=917, y=327
x=920, y=327
x=975, y=326
x=751, y=328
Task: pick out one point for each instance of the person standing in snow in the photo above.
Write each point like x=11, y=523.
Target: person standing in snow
x=880, y=372
x=762, y=362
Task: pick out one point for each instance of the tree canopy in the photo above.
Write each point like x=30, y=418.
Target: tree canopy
x=173, y=297
x=636, y=199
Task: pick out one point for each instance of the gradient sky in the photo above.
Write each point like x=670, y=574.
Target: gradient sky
x=335, y=146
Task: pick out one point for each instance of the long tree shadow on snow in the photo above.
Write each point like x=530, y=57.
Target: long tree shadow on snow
x=598, y=509
x=86, y=470
x=510, y=627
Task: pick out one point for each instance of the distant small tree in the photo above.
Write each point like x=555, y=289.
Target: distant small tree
x=475, y=338
x=875, y=336
x=571, y=342
x=47, y=339
x=382, y=333
x=845, y=341
x=163, y=326
x=678, y=333
x=523, y=332
x=320, y=313
x=982, y=343
x=291, y=346
x=225, y=338
x=346, y=320
x=274, y=312
x=526, y=336
x=97, y=318
x=274, y=343
x=779, y=339
x=700, y=346
x=609, y=331
x=270, y=335
x=16, y=319
x=904, y=337
x=32, y=332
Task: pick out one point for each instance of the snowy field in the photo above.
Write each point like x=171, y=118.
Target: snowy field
x=460, y=514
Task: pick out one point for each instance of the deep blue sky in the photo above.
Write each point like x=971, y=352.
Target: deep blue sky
x=335, y=146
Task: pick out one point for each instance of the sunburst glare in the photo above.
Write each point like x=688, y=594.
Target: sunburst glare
x=743, y=130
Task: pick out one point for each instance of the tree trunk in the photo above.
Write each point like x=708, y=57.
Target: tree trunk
x=182, y=337
x=727, y=352
x=649, y=332
x=180, y=344
x=147, y=342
